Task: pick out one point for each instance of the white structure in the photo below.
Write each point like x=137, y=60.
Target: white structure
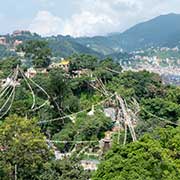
x=90, y=165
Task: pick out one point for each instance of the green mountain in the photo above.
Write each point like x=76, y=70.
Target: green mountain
x=64, y=46
x=101, y=44
x=161, y=31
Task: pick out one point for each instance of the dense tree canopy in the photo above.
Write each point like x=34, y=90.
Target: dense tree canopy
x=85, y=128
x=65, y=118
x=107, y=69
x=37, y=51
x=144, y=84
x=22, y=145
x=64, y=170
x=8, y=64
x=154, y=156
x=83, y=62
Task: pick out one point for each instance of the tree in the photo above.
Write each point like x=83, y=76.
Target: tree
x=5, y=52
x=154, y=156
x=161, y=108
x=82, y=61
x=23, y=145
x=85, y=128
x=61, y=91
x=173, y=94
x=64, y=170
x=144, y=83
x=8, y=64
x=107, y=69
x=37, y=51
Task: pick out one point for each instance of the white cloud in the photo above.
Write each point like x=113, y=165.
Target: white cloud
x=46, y=23
x=99, y=17
x=88, y=24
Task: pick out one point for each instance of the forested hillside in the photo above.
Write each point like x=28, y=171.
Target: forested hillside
x=158, y=32
x=161, y=31
x=61, y=46
x=84, y=117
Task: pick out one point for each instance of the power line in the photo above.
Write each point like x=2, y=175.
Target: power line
x=32, y=92
x=165, y=120
x=64, y=142
x=76, y=142
x=74, y=114
x=8, y=82
x=111, y=70
x=12, y=95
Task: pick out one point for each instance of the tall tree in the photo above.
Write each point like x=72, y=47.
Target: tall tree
x=37, y=51
x=64, y=170
x=8, y=64
x=154, y=156
x=22, y=146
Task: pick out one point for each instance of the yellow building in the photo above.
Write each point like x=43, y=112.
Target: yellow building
x=64, y=64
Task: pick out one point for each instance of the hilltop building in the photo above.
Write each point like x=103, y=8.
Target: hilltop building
x=3, y=41
x=81, y=72
x=19, y=32
x=17, y=43
x=64, y=64
x=30, y=73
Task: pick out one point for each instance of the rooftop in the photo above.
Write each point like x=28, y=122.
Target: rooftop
x=64, y=62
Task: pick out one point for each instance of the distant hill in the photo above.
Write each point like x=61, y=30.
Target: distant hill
x=161, y=31
x=101, y=44
x=64, y=46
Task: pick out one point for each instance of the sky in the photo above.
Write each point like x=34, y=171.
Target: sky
x=80, y=17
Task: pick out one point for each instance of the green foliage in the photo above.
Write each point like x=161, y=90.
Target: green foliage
x=90, y=127
x=62, y=100
x=64, y=170
x=87, y=99
x=37, y=51
x=144, y=84
x=82, y=61
x=5, y=52
x=7, y=65
x=107, y=69
x=23, y=145
x=85, y=128
x=60, y=90
x=173, y=94
x=162, y=108
x=154, y=156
